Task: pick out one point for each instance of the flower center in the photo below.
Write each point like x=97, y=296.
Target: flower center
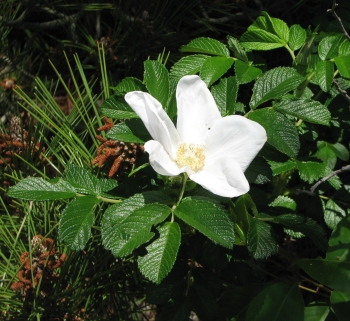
x=190, y=155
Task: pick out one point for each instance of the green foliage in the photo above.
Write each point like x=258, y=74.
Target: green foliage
x=205, y=253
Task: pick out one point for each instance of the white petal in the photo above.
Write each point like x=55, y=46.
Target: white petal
x=235, y=138
x=197, y=110
x=155, y=119
x=160, y=160
x=224, y=178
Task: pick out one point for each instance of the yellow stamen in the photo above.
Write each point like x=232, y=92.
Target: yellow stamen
x=190, y=155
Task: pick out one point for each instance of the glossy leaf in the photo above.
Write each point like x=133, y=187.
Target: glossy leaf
x=274, y=304
x=316, y=312
x=297, y=37
x=129, y=131
x=324, y=74
x=260, y=241
x=258, y=172
x=276, y=26
x=161, y=256
x=188, y=65
x=339, y=242
x=329, y=46
x=130, y=84
x=156, y=78
x=76, y=220
x=215, y=67
x=344, y=48
x=281, y=133
x=116, y=107
x=37, y=189
x=333, y=273
x=245, y=72
x=206, y=46
x=225, y=95
x=333, y=214
x=274, y=84
x=238, y=50
x=284, y=201
x=311, y=111
x=278, y=168
x=310, y=171
x=207, y=218
x=340, y=302
x=343, y=65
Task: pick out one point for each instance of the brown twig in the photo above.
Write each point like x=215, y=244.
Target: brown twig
x=322, y=180
x=339, y=19
x=341, y=91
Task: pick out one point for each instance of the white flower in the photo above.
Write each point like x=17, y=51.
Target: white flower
x=214, y=151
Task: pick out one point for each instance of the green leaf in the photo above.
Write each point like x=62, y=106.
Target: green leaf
x=214, y=67
x=329, y=46
x=276, y=26
x=281, y=133
x=297, y=37
x=343, y=65
x=225, y=95
x=279, y=168
x=245, y=72
x=116, y=107
x=36, y=189
x=76, y=220
x=339, y=242
x=206, y=46
x=156, y=78
x=129, y=131
x=209, y=219
x=340, y=303
x=274, y=84
x=304, y=225
x=161, y=256
x=333, y=273
x=344, y=48
x=82, y=180
x=310, y=171
x=188, y=65
x=333, y=214
x=311, y=111
x=238, y=50
x=130, y=84
x=274, y=303
x=324, y=74
x=125, y=226
x=316, y=312
x=260, y=241
x=284, y=201
x=259, y=171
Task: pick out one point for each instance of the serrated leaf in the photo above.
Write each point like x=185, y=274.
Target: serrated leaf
x=209, y=219
x=188, y=65
x=76, y=220
x=311, y=111
x=274, y=84
x=310, y=171
x=297, y=37
x=225, y=95
x=130, y=84
x=125, y=227
x=340, y=302
x=343, y=65
x=276, y=26
x=344, y=48
x=324, y=74
x=161, y=256
x=273, y=303
x=206, y=46
x=259, y=171
x=281, y=133
x=215, y=67
x=260, y=241
x=304, y=225
x=156, y=77
x=116, y=107
x=237, y=49
x=316, y=312
x=333, y=273
x=333, y=214
x=132, y=130
x=339, y=242
x=37, y=189
x=329, y=46
x=278, y=168
x=284, y=201
x=82, y=180
x=245, y=72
